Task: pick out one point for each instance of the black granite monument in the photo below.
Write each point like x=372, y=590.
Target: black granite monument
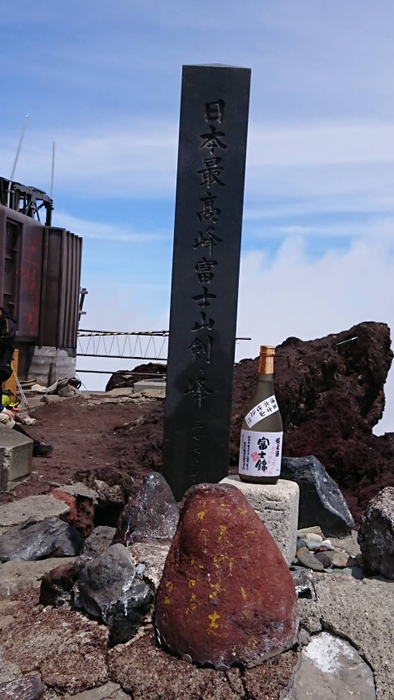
x=208, y=221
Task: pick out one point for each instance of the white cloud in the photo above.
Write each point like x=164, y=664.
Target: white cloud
x=316, y=144
x=292, y=295
x=103, y=232
x=336, y=162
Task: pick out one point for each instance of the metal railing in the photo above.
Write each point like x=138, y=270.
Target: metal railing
x=136, y=345
x=124, y=345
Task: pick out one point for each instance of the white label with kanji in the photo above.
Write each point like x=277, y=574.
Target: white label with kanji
x=260, y=454
x=262, y=410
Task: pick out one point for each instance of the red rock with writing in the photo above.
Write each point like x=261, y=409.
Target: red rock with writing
x=226, y=596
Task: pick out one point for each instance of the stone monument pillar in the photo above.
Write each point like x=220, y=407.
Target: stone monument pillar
x=208, y=221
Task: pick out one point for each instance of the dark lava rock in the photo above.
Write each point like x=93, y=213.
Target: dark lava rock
x=330, y=394
x=56, y=585
x=153, y=515
x=376, y=534
x=30, y=541
x=147, y=672
x=29, y=687
x=100, y=539
x=129, y=612
x=321, y=501
x=127, y=378
x=110, y=589
x=226, y=595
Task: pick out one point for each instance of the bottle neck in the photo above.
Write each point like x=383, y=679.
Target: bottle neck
x=266, y=364
x=266, y=378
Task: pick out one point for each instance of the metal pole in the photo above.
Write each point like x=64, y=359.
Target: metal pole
x=16, y=160
x=21, y=392
x=53, y=168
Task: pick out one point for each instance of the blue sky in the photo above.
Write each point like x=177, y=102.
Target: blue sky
x=102, y=80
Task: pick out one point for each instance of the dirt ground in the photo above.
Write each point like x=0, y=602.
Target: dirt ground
x=86, y=435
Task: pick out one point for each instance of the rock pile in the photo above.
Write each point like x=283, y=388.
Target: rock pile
x=224, y=594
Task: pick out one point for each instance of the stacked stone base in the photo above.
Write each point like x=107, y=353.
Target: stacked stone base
x=277, y=506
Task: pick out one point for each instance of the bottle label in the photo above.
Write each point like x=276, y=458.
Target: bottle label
x=262, y=410
x=260, y=453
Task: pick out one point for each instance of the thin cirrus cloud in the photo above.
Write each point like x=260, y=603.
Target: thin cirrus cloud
x=104, y=232
x=138, y=161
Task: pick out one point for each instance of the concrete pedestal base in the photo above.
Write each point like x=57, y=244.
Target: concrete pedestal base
x=16, y=452
x=277, y=506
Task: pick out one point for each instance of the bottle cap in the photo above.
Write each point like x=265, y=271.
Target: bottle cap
x=266, y=362
x=267, y=350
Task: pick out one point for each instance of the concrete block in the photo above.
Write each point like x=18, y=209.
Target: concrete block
x=277, y=506
x=151, y=386
x=37, y=507
x=16, y=453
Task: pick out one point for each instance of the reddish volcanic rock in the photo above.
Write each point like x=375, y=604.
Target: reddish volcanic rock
x=226, y=595
x=81, y=513
x=57, y=583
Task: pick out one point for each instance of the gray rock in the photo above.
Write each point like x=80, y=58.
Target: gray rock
x=29, y=687
x=376, y=534
x=153, y=515
x=128, y=612
x=325, y=560
x=151, y=556
x=303, y=583
x=331, y=668
x=313, y=537
x=349, y=544
x=36, y=507
x=306, y=558
x=100, y=539
x=339, y=560
x=360, y=611
x=79, y=489
x=18, y=577
x=109, y=691
x=31, y=541
x=321, y=501
x=357, y=573
x=110, y=589
x=8, y=670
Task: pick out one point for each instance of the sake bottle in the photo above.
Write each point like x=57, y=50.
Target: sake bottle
x=260, y=451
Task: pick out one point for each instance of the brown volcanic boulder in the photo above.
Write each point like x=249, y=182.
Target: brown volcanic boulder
x=226, y=595
x=330, y=394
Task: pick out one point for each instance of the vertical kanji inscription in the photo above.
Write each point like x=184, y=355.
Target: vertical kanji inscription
x=208, y=221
